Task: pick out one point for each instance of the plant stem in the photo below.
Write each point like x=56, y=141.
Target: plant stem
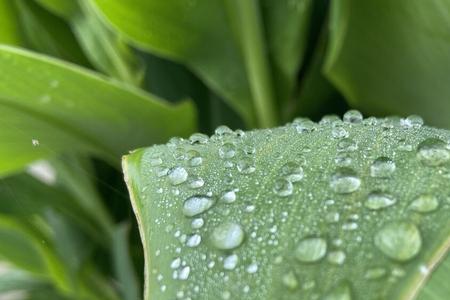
x=256, y=63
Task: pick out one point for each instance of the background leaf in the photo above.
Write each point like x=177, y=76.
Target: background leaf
x=66, y=108
x=392, y=57
x=307, y=210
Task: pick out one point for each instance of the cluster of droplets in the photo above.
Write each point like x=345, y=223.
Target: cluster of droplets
x=399, y=240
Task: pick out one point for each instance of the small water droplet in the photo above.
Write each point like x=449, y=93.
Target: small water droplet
x=303, y=125
x=336, y=257
x=353, y=116
x=412, y=121
x=227, y=236
x=194, y=240
x=246, y=166
x=196, y=205
x=311, y=249
x=378, y=200
x=197, y=223
x=227, y=151
x=342, y=291
x=184, y=273
x=196, y=182
x=177, y=175
x=35, y=142
x=339, y=133
x=283, y=187
x=223, y=130
x=382, y=167
x=195, y=158
x=198, y=138
x=424, y=203
x=399, y=240
x=433, y=152
x=345, y=181
x=229, y=196
x=347, y=145
x=230, y=262
x=375, y=273
x=343, y=160
x=252, y=268
x=290, y=280
x=292, y=171
x=176, y=263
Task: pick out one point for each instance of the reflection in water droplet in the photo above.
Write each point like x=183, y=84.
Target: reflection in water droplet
x=311, y=249
x=177, y=175
x=196, y=205
x=382, y=167
x=345, y=181
x=433, y=152
x=283, y=188
x=378, y=200
x=424, y=203
x=227, y=236
x=399, y=240
x=353, y=116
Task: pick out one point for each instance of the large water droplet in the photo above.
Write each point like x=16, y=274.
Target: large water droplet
x=292, y=171
x=378, y=200
x=196, y=205
x=227, y=236
x=283, y=188
x=424, y=203
x=345, y=181
x=399, y=240
x=433, y=152
x=311, y=249
x=382, y=167
x=177, y=175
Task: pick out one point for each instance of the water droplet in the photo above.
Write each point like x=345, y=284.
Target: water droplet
x=378, y=200
x=229, y=196
x=246, y=166
x=196, y=205
x=176, y=263
x=155, y=161
x=412, y=121
x=382, y=167
x=222, y=130
x=347, y=145
x=424, y=203
x=340, y=292
x=303, y=125
x=184, y=273
x=353, y=116
x=375, y=273
x=292, y=171
x=339, y=133
x=311, y=249
x=345, y=181
x=230, y=262
x=194, y=240
x=227, y=151
x=283, y=188
x=177, y=175
x=336, y=257
x=433, y=152
x=290, y=280
x=35, y=142
x=197, y=223
x=196, y=182
x=332, y=217
x=198, y=138
x=195, y=158
x=227, y=236
x=399, y=240
x=252, y=268
x=343, y=160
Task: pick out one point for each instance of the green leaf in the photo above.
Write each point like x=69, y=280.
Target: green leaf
x=9, y=28
x=437, y=287
x=201, y=38
x=337, y=210
x=392, y=56
x=63, y=108
x=62, y=8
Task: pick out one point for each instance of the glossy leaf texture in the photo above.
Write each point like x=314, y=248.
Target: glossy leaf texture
x=211, y=38
x=342, y=209
x=49, y=107
x=392, y=56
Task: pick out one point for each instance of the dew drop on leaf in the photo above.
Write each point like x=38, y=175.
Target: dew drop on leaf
x=177, y=175
x=290, y=280
x=336, y=257
x=229, y=196
x=399, y=240
x=196, y=205
x=353, y=116
x=433, y=152
x=382, y=167
x=311, y=249
x=347, y=145
x=227, y=236
x=227, y=150
x=378, y=200
x=340, y=292
x=230, y=262
x=292, y=171
x=283, y=187
x=345, y=181
x=424, y=203
x=246, y=166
